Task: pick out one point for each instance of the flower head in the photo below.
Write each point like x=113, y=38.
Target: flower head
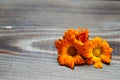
x=97, y=51
x=68, y=47
x=77, y=35
x=68, y=53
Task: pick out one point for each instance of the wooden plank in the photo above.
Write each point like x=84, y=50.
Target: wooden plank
x=29, y=29
x=44, y=67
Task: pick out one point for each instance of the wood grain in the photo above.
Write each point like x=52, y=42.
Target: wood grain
x=28, y=29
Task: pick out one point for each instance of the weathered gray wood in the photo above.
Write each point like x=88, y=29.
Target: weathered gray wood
x=44, y=67
x=29, y=29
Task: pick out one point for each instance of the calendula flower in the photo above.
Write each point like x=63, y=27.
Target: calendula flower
x=97, y=51
x=68, y=53
x=68, y=47
x=77, y=35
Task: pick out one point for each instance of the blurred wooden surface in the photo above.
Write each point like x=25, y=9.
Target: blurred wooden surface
x=30, y=27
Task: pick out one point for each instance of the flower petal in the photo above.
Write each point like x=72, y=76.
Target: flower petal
x=105, y=59
x=107, y=50
x=94, y=59
x=109, y=55
x=87, y=55
x=78, y=60
x=105, y=44
x=61, y=59
x=98, y=63
x=68, y=62
x=89, y=61
x=72, y=64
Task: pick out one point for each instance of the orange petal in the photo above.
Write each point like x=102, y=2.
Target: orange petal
x=68, y=62
x=75, y=60
x=58, y=43
x=94, y=59
x=105, y=44
x=97, y=41
x=98, y=63
x=105, y=59
x=72, y=64
x=91, y=44
x=83, y=37
x=107, y=54
x=61, y=43
x=61, y=59
x=107, y=50
x=78, y=60
x=87, y=55
x=89, y=61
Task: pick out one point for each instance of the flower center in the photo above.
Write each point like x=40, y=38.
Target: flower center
x=96, y=52
x=72, y=51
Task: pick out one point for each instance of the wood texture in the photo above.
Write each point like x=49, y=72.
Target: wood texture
x=28, y=30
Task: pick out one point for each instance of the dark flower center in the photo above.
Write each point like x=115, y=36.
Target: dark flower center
x=72, y=51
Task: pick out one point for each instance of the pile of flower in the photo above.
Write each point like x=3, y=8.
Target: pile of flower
x=76, y=49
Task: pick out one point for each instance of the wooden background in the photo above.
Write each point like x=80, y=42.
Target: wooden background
x=28, y=29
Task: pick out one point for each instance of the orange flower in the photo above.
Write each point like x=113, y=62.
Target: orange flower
x=68, y=47
x=97, y=51
x=81, y=34
x=68, y=53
